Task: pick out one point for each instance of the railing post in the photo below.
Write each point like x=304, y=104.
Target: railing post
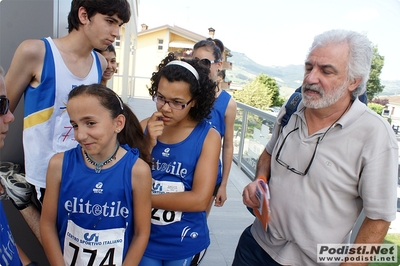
x=246, y=156
x=242, y=137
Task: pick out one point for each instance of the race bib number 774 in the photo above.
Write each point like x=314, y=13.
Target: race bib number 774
x=93, y=247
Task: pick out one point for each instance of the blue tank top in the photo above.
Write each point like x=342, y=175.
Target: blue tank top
x=177, y=235
x=8, y=249
x=218, y=121
x=218, y=112
x=96, y=202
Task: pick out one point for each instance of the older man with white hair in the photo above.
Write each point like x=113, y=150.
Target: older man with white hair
x=333, y=159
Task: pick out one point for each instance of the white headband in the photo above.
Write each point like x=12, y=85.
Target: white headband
x=185, y=65
x=120, y=102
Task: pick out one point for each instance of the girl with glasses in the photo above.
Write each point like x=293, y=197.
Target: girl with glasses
x=222, y=116
x=98, y=205
x=185, y=150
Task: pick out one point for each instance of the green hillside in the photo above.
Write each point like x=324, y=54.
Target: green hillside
x=288, y=77
x=392, y=87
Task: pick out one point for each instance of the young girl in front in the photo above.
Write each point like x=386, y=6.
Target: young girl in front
x=97, y=205
x=185, y=150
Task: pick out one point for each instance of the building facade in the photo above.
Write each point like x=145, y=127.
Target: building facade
x=154, y=44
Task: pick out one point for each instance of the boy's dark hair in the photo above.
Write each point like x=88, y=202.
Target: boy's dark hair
x=105, y=7
x=202, y=90
x=132, y=133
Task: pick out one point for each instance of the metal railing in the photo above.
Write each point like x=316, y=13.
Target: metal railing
x=252, y=130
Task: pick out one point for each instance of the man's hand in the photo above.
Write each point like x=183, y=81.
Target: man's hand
x=249, y=195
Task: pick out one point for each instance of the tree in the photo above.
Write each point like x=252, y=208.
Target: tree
x=374, y=86
x=261, y=93
x=376, y=107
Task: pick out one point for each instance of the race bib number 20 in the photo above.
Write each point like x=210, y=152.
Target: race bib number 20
x=93, y=247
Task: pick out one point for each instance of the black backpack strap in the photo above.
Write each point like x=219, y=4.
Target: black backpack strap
x=291, y=106
x=363, y=98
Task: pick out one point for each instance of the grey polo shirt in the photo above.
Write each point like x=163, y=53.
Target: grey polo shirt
x=355, y=167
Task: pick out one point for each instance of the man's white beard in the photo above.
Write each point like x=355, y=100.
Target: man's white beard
x=326, y=99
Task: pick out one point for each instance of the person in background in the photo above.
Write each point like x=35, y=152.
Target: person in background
x=210, y=53
x=10, y=253
x=111, y=166
x=185, y=150
x=110, y=55
x=333, y=159
x=222, y=118
x=220, y=78
x=45, y=71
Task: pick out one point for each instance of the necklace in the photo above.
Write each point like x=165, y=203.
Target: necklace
x=98, y=165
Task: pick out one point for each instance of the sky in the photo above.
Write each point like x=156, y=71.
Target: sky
x=280, y=32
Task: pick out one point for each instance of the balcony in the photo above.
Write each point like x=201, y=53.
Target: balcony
x=227, y=65
x=225, y=85
x=181, y=52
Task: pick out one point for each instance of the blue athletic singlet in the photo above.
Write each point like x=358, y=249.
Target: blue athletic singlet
x=8, y=250
x=95, y=210
x=218, y=121
x=177, y=235
x=47, y=129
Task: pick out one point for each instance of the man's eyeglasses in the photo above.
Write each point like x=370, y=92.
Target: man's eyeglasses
x=4, y=104
x=292, y=168
x=207, y=62
x=173, y=104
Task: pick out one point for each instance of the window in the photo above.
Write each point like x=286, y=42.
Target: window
x=160, y=44
x=118, y=41
x=116, y=70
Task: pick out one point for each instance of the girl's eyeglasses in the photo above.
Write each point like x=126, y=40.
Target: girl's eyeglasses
x=4, y=104
x=173, y=104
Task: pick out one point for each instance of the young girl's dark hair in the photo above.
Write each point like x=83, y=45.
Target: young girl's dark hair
x=202, y=90
x=215, y=45
x=132, y=133
x=109, y=48
x=105, y=7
